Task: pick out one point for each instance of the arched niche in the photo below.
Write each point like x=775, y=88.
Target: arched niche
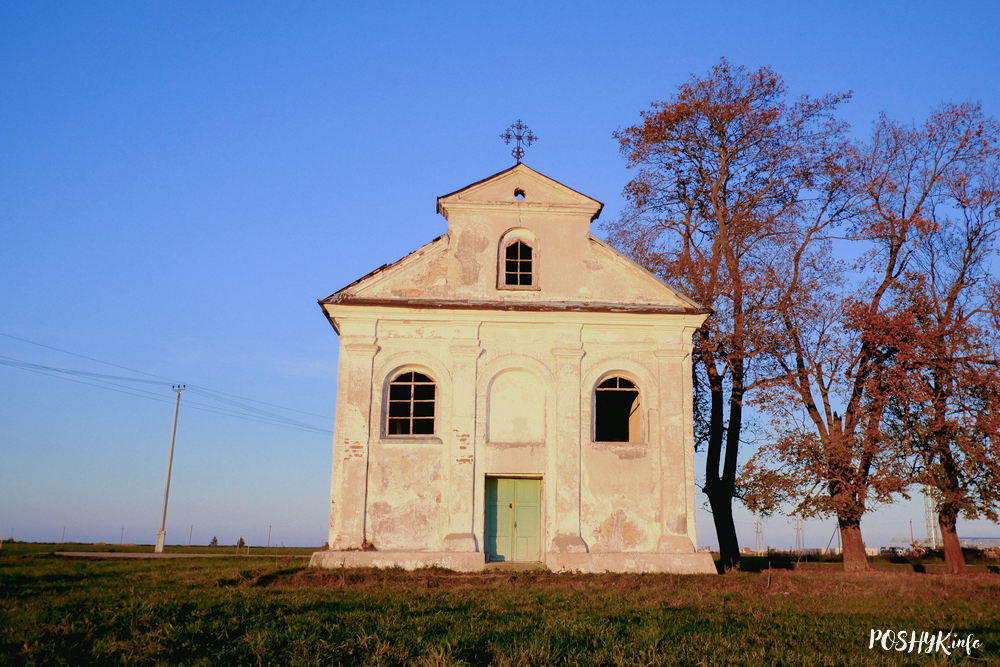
x=516, y=407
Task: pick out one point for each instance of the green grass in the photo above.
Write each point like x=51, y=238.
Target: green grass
x=263, y=610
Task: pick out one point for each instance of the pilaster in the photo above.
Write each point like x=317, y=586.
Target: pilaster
x=460, y=458
x=674, y=459
x=351, y=442
x=567, y=448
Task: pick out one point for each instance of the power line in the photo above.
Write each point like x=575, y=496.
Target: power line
x=30, y=365
x=113, y=383
x=223, y=396
x=246, y=415
x=168, y=381
x=100, y=385
x=82, y=356
x=259, y=419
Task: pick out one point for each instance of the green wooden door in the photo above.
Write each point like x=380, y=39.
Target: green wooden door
x=513, y=519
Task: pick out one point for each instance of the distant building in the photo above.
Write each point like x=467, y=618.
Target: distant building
x=515, y=390
x=980, y=542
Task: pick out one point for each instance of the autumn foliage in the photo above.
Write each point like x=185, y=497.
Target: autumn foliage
x=724, y=170
x=853, y=296
x=943, y=399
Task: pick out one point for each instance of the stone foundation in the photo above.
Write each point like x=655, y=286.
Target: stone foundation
x=683, y=563
x=408, y=560
x=680, y=563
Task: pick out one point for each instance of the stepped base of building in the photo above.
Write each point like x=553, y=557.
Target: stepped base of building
x=408, y=560
x=675, y=563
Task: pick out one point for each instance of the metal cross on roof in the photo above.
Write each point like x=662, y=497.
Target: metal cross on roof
x=520, y=133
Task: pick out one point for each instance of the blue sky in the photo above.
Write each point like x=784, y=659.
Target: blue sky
x=179, y=184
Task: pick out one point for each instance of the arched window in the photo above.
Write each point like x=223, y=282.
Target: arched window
x=517, y=265
x=411, y=405
x=616, y=411
x=517, y=260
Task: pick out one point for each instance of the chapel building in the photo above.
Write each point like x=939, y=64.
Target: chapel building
x=515, y=390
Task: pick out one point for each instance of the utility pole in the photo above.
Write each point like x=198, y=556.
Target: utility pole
x=836, y=530
x=161, y=536
x=930, y=514
x=268, y=534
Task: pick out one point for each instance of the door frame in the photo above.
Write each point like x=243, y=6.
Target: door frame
x=541, y=511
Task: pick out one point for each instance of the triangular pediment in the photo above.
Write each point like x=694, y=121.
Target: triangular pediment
x=464, y=268
x=519, y=187
x=605, y=280
x=424, y=269
x=612, y=276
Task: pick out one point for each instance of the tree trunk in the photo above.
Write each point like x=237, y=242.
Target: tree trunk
x=953, y=557
x=855, y=558
x=721, y=501
x=719, y=487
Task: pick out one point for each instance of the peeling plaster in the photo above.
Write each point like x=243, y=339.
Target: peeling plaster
x=514, y=445
x=623, y=451
x=467, y=252
x=405, y=526
x=617, y=533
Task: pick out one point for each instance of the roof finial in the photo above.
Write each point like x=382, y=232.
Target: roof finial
x=520, y=133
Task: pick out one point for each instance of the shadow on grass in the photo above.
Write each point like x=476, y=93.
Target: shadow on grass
x=257, y=577
x=762, y=563
x=268, y=578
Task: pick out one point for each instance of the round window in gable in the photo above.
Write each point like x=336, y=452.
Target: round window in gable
x=519, y=194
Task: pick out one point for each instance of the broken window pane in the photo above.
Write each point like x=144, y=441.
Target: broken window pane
x=616, y=411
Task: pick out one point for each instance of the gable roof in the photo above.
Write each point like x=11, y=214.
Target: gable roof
x=607, y=247
x=374, y=272
x=387, y=285
x=497, y=189
x=459, y=270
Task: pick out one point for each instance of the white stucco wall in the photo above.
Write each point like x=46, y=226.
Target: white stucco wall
x=515, y=397
x=515, y=371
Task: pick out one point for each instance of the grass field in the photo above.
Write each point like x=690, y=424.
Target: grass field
x=271, y=609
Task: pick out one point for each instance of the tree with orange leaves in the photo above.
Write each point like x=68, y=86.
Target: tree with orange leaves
x=860, y=364
x=725, y=171
x=943, y=398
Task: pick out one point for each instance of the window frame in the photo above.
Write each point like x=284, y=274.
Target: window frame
x=396, y=380
x=635, y=420
x=509, y=239
x=519, y=261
